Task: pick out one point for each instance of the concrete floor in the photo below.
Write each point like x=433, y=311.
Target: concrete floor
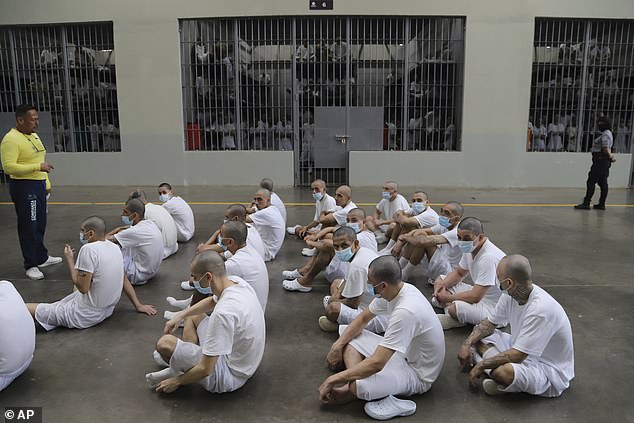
x=584, y=259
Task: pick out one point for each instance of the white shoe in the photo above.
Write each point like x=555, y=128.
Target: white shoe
x=491, y=387
x=159, y=359
x=291, y=229
x=51, y=261
x=291, y=274
x=389, y=407
x=327, y=326
x=309, y=252
x=179, y=304
x=294, y=285
x=34, y=273
x=186, y=286
x=448, y=322
x=326, y=300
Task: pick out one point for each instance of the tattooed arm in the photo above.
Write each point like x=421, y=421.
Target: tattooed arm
x=509, y=356
x=482, y=330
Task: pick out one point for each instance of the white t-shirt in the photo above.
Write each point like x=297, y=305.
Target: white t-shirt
x=356, y=279
x=451, y=249
x=104, y=260
x=183, y=218
x=247, y=264
x=341, y=213
x=367, y=239
x=271, y=226
x=426, y=219
x=482, y=269
x=277, y=202
x=255, y=240
x=236, y=329
x=145, y=242
x=327, y=203
x=17, y=331
x=413, y=330
x=166, y=225
x=541, y=329
x=388, y=208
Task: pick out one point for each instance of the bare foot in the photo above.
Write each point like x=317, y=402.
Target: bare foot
x=341, y=395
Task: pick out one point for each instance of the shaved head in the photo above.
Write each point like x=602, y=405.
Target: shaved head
x=236, y=210
x=318, y=182
x=138, y=193
x=236, y=231
x=267, y=183
x=134, y=205
x=424, y=194
x=518, y=268
x=208, y=261
x=96, y=224
x=345, y=190
x=456, y=208
x=347, y=232
x=264, y=193
x=391, y=184
x=471, y=224
x=385, y=269
x=357, y=213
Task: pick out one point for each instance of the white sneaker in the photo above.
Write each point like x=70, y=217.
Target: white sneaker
x=309, y=252
x=291, y=229
x=326, y=300
x=34, y=273
x=327, y=326
x=448, y=322
x=291, y=274
x=51, y=261
x=491, y=387
x=179, y=304
x=186, y=286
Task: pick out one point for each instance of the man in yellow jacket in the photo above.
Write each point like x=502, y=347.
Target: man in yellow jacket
x=23, y=160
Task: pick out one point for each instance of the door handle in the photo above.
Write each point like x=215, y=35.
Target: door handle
x=343, y=139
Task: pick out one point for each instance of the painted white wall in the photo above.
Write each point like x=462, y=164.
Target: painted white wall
x=498, y=46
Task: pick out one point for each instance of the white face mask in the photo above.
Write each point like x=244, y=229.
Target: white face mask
x=165, y=197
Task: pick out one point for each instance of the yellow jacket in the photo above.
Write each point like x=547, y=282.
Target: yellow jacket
x=22, y=155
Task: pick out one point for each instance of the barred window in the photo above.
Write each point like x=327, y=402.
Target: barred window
x=582, y=69
x=68, y=73
x=261, y=83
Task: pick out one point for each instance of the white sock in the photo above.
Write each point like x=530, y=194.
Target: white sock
x=407, y=270
x=403, y=262
x=390, y=244
x=153, y=379
x=179, y=304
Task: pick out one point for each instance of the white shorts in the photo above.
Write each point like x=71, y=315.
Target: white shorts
x=438, y=265
x=129, y=267
x=336, y=269
x=471, y=313
x=186, y=355
x=69, y=313
x=5, y=380
x=531, y=376
x=348, y=314
x=396, y=378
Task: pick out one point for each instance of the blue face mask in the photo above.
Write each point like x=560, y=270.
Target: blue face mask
x=344, y=255
x=370, y=289
x=418, y=207
x=355, y=226
x=205, y=291
x=444, y=221
x=126, y=220
x=164, y=198
x=466, y=246
x=318, y=196
x=220, y=244
x=386, y=195
x=83, y=240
